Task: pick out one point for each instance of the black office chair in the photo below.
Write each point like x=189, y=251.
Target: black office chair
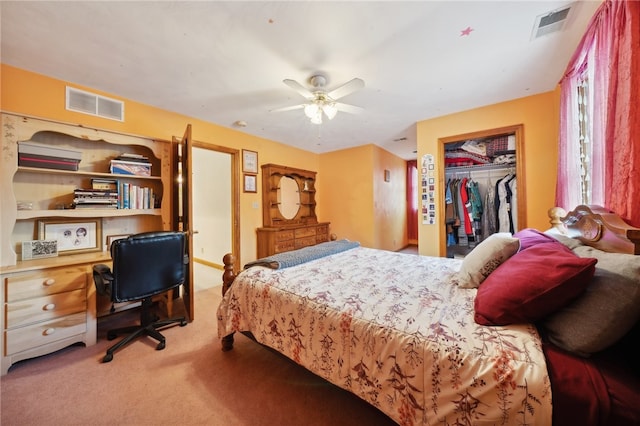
x=144, y=265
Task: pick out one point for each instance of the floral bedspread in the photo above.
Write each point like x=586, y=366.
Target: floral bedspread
x=390, y=328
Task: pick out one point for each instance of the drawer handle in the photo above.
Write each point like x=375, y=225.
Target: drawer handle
x=48, y=331
x=49, y=282
x=49, y=307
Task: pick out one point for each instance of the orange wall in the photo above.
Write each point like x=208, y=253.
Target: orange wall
x=540, y=116
x=361, y=205
x=36, y=95
x=348, y=202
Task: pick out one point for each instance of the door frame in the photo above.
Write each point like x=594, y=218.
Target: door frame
x=187, y=207
x=235, y=194
x=518, y=131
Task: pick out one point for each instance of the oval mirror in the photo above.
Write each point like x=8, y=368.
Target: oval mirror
x=288, y=197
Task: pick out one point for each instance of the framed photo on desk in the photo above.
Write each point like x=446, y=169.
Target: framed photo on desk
x=73, y=236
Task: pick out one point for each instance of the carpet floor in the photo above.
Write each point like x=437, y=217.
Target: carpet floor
x=190, y=382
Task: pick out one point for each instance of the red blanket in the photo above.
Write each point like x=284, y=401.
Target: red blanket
x=601, y=390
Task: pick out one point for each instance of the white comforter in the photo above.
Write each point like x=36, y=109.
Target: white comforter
x=391, y=329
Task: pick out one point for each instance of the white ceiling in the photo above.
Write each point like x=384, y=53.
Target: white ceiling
x=224, y=61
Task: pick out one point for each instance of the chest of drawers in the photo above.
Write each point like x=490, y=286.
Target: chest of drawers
x=277, y=240
x=45, y=310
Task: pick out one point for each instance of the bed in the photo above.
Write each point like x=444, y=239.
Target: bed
x=530, y=328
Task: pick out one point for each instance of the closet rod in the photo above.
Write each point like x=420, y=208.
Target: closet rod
x=481, y=172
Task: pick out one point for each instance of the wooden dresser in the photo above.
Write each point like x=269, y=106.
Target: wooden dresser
x=278, y=240
x=288, y=211
x=47, y=304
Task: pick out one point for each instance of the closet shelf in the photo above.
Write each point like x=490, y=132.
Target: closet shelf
x=477, y=167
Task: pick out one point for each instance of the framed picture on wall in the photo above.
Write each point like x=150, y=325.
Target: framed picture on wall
x=249, y=161
x=250, y=183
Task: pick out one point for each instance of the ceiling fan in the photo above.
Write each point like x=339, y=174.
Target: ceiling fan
x=322, y=102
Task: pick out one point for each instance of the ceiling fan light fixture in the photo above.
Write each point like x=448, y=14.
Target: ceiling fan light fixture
x=330, y=110
x=311, y=110
x=321, y=102
x=317, y=119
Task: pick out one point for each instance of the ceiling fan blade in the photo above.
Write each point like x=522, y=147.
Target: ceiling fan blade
x=352, y=109
x=299, y=88
x=289, y=108
x=347, y=88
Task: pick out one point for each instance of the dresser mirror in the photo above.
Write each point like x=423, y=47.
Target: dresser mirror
x=288, y=196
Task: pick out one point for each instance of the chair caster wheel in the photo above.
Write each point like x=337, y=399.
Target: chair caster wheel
x=160, y=346
x=107, y=358
x=111, y=335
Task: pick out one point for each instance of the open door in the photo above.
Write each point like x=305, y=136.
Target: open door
x=182, y=219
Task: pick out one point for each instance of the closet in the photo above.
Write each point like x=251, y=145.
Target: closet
x=483, y=187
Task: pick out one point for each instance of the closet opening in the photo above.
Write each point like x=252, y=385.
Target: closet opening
x=482, y=187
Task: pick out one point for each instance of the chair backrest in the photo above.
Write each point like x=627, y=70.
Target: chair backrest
x=147, y=264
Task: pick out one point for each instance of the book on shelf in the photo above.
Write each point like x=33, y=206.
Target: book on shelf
x=127, y=156
x=95, y=198
x=113, y=201
x=136, y=197
x=95, y=193
x=99, y=183
x=95, y=206
x=124, y=195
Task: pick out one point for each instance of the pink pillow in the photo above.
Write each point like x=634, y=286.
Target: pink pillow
x=532, y=284
x=530, y=237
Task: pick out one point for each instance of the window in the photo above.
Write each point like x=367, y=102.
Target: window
x=584, y=138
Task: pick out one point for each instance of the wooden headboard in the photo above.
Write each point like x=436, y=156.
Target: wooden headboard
x=597, y=227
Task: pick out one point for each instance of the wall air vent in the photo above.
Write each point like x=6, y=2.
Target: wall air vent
x=90, y=103
x=550, y=22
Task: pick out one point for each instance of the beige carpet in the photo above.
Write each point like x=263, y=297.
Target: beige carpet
x=190, y=382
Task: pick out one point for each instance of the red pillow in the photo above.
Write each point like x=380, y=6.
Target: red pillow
x=530, y=237
x=532, y=284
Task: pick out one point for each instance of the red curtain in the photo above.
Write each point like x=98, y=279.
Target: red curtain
x=610, y=50
x=622, y=152
x=412, y=200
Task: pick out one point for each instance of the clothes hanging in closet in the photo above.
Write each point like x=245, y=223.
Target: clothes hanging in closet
x=477, y=208
x=463, y=207
x=474, y=211
x=489, y=218
x=452, y=210
x=504, y=198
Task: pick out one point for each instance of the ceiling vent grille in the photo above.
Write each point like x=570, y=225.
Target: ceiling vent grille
x=550, y=22
x=92, y=104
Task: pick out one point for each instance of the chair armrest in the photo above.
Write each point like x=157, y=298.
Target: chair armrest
x=103, y=278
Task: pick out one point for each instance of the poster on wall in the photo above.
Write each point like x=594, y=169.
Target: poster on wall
x=428, y=189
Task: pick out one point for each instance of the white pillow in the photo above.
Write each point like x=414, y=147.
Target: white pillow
x=485, y=258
